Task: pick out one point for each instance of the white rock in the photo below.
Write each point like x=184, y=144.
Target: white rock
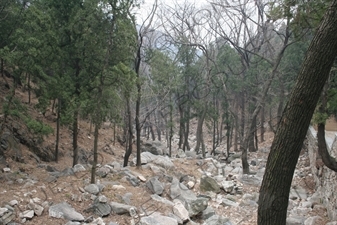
x=180, y=210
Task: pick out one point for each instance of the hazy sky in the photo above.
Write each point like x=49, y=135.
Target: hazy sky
x=146, y=7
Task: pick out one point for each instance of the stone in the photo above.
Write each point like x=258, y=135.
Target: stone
x=38, y=210
x=162, y=200
x=298, y=193
x=195, y=207
x=217, y=220
x=99, y=208
x=28, y=214
x=6, y=170
x=295, y=220
x=78, y=168
x=313, y=220
x=119, y=208
x=103, y=171
x=180, y=211
x=181, y=154
x=155, y=186
x=180, y=191
x=209, y=184
x=92, y=189
x=228, y=186
x=191, y=154
x=13, y=202
x=127, y=198
x=207, y=213
x=164, y=162
x=332, y=223
x=65, y=211
x=73, y=223
x=7, y=218
x=141, y=178
x=157, y=219
x=227, y=202
x=102, y=199
x=3, y=211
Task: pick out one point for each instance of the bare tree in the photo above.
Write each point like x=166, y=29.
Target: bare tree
x=295, y=120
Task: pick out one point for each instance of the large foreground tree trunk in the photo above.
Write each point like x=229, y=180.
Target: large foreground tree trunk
x=295, y=120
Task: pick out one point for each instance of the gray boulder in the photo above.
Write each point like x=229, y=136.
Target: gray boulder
x=209, y=184
x=65, y=211
x=92, y=189
x=119, y=208
x=155, y=186
x=217, y=220
x=157, y=219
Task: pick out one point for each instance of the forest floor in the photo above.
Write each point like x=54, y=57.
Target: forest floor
x=109, y=149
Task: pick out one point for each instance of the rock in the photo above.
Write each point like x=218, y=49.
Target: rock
x=103, y=171
x=332, y=223
x=6, y=170
x=67, y=172
x=295, y=220
x=78, y=168
x=7, y=218
x=154, y=147
x=38, y=210
x=157, y=219
x=227, y=202
x=180, y=211
x=228, y=186
x=207, y=213
x=141, y=178
x=181, y=154
x=73, y=223
x=164, y=162
x=3, y=211
x=195, y=207
x=162, y=200
x=191, y=154
x=13, y=202
x=99, y=208
x=65, y=211
x=92, y=189
x=209, y=184
x=217, y=220
x=155, y=186
x=127, y=198
x=180, y=191
x=119, y=208
x=313, y=220
x=298, y=193
x=27, y=214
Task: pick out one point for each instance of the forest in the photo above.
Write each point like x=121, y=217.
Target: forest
x=227, y=66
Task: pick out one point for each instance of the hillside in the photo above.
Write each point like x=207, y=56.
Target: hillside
x=183, y=190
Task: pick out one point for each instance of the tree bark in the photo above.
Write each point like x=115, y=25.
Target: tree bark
x=130, y=134
x=57, y=130
x=75, y=135
x=94, y=164
x=295, y=120
x=262, y=130
x=323, y=152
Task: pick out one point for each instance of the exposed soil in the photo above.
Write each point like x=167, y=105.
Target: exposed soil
x=68, y=188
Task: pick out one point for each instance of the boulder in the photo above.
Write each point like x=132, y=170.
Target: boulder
x=119, y=208
x=65, y=211
x=157, y=219
x=155, y=186
x=209, y=184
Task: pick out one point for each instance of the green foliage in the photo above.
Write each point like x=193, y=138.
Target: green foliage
x=16, y=109
x=38, y=127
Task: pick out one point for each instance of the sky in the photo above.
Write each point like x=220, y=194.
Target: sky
x=146, y=7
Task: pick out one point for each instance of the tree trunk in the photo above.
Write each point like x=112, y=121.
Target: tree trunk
x=323, y=152
x=199, y=130
x=281, y=103
x=130, y=134
x=237, y=128
x=94, y=164
x=295, y=120
x=75, y=135
x=181, y=126
x=186, y=145
x=262, y=130
x=57, y=130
